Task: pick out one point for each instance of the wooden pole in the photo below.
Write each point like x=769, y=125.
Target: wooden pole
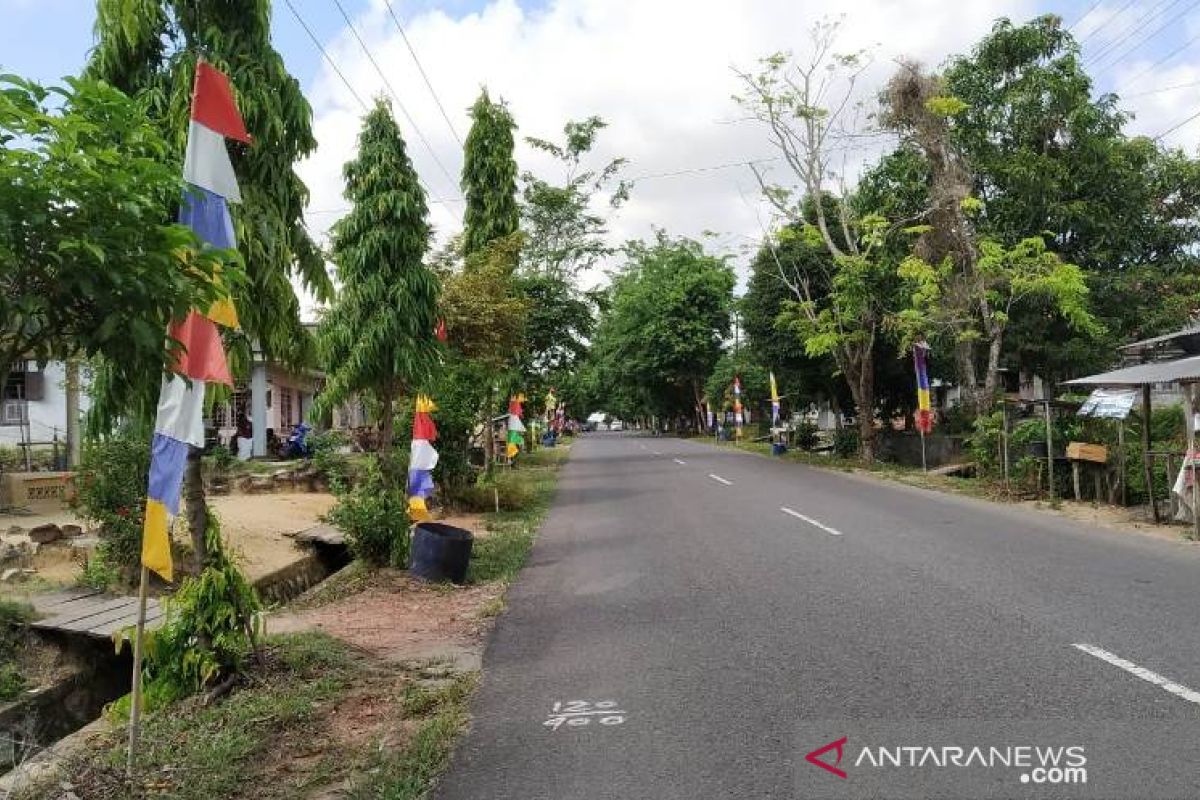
x=1121, y=447
x=1192, y=460
x=1147, y=468
x=1049, y=451
x=135, y=693
x=1004, y=443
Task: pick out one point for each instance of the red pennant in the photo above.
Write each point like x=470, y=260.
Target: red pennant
x=213, y=105
x=423, y=427
x=203, y=355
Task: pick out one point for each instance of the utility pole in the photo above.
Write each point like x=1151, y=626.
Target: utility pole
x=73, y=437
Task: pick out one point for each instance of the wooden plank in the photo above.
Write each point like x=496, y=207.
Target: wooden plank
x=154, y=618
x=75, y=613
x=45, y=602
x=112, y=615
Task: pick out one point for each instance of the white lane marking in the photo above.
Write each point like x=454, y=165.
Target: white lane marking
x=656, y=452
x=719, y=479
x=642, y=446
x=810, y=521
x=1179, y=690
x=679, y=461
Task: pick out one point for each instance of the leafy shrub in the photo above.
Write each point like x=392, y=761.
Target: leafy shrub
x=211, y=626
x=845, y=443
x=222, y=459
x=110, y=489
x=806, y=437
x=374, y=515
x=328, y=459
x=515, y=493
x=99, y=571
x=14, y=617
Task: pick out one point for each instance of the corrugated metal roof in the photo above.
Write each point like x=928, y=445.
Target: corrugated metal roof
x=1183, y=370
x=1186, y=339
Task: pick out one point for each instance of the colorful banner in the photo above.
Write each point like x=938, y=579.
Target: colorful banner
x=198, y=355
x=737, y=406
x=774, y=403
x=924, y=417
x=422, y=459
x=516, y=428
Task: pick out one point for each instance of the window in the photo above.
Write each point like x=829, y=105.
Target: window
x=285, y=407
x=14, y=399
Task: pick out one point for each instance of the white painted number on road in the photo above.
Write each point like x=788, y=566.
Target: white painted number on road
x=578, y=713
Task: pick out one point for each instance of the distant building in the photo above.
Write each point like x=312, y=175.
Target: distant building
x=33, y=407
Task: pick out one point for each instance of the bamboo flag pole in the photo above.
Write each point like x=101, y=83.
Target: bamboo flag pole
x=135, y=693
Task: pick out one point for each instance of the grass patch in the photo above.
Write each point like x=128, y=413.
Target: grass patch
x=912, y=476
x=196, y=752
x=500, y=556
x=409, y=773
x=14, y=622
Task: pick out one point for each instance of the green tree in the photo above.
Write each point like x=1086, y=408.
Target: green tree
x=773, y=269
x=1047, y=155
x=662, y=331
x=149, y=48
x=377, y=337
x=840, y=311
x=89, y=265
x=489, y=176
x=967, y=289
x=564, y=235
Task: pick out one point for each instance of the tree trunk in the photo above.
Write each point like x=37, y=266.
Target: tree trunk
x=865, y=397
x=968, y=380
x=387, y=430
x=73, y=433
x=197, y=506
x=992, y=378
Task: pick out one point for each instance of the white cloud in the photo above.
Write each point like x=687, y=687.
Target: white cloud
x=658, y=71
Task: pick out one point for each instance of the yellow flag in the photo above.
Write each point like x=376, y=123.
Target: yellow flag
x=156, y=541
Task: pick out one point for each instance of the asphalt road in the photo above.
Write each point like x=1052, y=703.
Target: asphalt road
x=695, y=620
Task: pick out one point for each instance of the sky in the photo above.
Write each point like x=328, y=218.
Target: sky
x=661, y=73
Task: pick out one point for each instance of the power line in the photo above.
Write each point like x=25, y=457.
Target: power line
x=424, y=76
x=1161, y=90
x=1136, y=27
x=650, y=176
x=1106, y=22
x=328, y=58
x=1176, y=127
x=394, y=93
x=693, y=170
x=1093, y=7
x=1164, y=59
x=1138, y=45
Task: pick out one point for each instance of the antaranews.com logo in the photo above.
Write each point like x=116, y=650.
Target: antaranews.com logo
x=1031, y=764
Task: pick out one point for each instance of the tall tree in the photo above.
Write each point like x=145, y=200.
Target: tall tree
x=967, y=288
x=806, y=106
x=1048, y=155
x=148, y=49
x=564, y=234
x=489, y=176
x=377, y=337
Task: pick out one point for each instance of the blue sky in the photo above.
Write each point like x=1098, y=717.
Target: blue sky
x=660, y=72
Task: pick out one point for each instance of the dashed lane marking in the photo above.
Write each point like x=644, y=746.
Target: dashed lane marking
x=1179, y=690
x=810, y=521
x=719, y=479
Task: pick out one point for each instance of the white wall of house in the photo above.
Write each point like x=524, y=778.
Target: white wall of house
x=48, y=415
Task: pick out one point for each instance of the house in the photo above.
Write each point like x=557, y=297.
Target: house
x=33, y=408
x=33, y=405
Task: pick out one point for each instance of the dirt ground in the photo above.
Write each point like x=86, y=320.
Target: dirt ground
x=255, y=526
x=400, y=619
x=1126, y=520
